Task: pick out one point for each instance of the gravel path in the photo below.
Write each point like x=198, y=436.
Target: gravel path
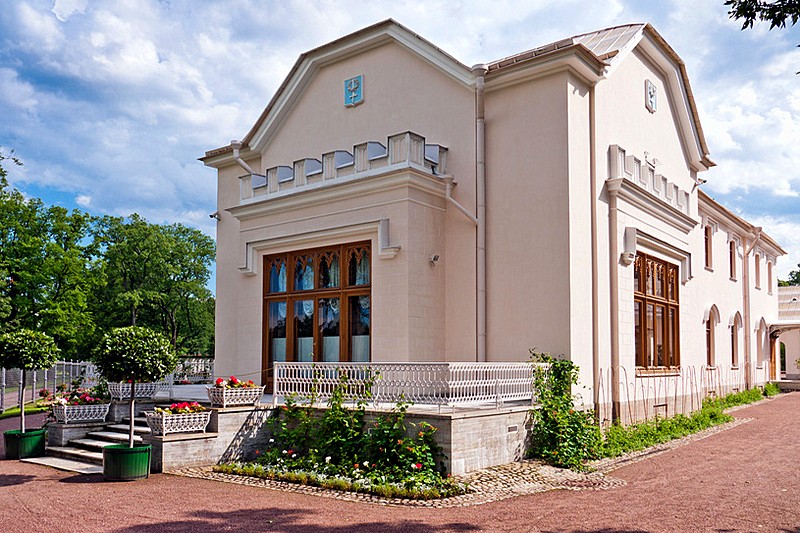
x=740, y=479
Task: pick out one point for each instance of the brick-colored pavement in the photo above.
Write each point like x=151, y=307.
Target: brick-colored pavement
x=741, y=479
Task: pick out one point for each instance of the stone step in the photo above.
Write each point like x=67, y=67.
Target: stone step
x=124, y=428
x=69, y=465
x=114, y=436
x=75, y=454
x=91, y=444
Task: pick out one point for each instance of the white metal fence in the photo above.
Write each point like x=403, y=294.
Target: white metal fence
x=441, y=384
x=63, y=372
x=679, y=390
x=189, y=370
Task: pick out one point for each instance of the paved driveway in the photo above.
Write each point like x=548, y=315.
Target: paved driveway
x=742, y=479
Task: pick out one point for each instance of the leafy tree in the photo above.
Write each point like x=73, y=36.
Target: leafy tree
x=155, y=275
x=794, y=278
x=134, y=354
x=44, y=276
x=27, y=350
x=777, y=13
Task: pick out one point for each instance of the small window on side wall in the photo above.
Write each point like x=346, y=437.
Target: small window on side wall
x=769, y=277
x=709, y=235
x=758, y=271
x=732, y=258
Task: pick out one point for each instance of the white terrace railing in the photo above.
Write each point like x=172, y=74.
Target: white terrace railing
x=440, y=384
x=190, y=370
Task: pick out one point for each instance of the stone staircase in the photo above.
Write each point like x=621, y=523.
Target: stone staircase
x=85, y=455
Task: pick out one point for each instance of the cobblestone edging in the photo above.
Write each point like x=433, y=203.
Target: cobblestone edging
x=489, y=485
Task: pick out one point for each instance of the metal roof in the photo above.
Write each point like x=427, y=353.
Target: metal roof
x=789, y=303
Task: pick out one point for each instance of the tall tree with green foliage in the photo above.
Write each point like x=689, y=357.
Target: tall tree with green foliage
x=44, y=276
x=156, y=275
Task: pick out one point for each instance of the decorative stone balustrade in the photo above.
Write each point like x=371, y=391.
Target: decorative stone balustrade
x=404, y=150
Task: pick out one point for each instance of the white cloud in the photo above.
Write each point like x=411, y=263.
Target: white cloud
x=39, y=28
x=64, y=9
x=14, y=92
x=112, y=101
x=84, y=200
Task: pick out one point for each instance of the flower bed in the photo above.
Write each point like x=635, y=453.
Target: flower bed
x=66, y=413
x=122, y=391
x=333, y=448
x=184, y=417
x=232, y=392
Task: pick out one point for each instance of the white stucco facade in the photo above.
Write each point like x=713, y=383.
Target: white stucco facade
x=592, y=153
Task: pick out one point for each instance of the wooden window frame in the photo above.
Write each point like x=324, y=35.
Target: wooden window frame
x=732, y=249
x=708, y=233
x=344, y=291
x=646, y=294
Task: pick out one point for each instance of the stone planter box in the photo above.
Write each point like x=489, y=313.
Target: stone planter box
x=229, y=397
x=122, y=391
x=164, y=424
x=81, y=413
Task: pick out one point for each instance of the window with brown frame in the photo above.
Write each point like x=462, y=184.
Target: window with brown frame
x=732, y=258
x=317, y=306
x=709, y=246
x=656, y=313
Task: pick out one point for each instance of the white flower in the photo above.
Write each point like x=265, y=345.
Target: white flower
x=294, y=455
x=366, y=463
x=328, y=459
x=271, y=440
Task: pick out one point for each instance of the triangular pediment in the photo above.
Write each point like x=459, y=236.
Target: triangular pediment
x=310, y=62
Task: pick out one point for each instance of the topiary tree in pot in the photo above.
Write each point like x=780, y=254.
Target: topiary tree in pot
x=27, y=350
x=132, y=354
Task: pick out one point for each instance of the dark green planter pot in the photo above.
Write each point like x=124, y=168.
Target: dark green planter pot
x=121, y=463
x=20, y=445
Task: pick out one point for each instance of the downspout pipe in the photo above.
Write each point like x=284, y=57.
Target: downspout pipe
x=237, y=145
x=449, y=183
x=756, y=236
x=595, y=275
x=613, y=186
x=479, y=71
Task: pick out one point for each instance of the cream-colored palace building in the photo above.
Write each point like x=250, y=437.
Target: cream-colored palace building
x=394, y=204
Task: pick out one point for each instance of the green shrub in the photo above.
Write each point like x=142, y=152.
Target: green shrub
x=561, y=435
x=320, y=446
x=770, y=390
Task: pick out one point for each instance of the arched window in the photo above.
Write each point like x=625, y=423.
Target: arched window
x=732, y=258
x=761, y=341
x=758, y=271
x=735, y=325
x=711, y=319
x=769, y=277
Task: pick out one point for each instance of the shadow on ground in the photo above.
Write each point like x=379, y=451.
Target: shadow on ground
x=7, y=480
x=83, y=478
x=290, y=521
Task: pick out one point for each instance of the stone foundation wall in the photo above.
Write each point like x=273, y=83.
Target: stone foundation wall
x=470, y=440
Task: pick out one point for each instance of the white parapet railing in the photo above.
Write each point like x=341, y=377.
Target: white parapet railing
x=440, y=384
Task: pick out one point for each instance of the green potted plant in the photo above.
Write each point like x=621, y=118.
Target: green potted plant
x=132, y=354
x=27, y=350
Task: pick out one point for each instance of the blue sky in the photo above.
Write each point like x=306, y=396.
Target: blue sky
x=110, y=103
